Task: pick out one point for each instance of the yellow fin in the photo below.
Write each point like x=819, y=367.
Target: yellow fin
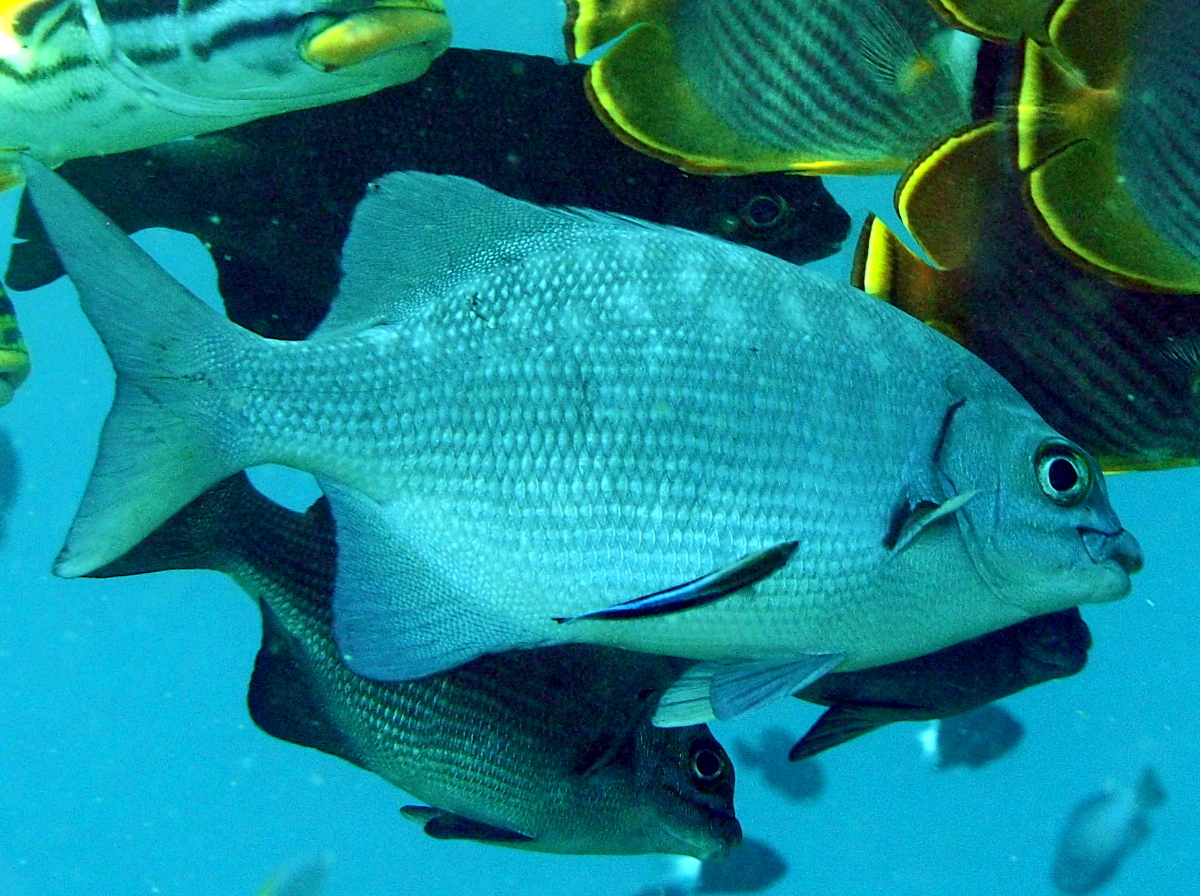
x=1092, y=37
x=943, y=196
x=1000, y=21
x=887, y=269
x=592, y=23
x=383, y=27
x=14, y=353
x=1083, y=211
x=639, y=91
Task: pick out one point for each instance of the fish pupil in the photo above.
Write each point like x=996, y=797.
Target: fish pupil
x=706, y=764
x=1063, y=475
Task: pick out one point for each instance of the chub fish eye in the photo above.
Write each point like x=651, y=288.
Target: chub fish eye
x=1063, y=472
x=707, y=765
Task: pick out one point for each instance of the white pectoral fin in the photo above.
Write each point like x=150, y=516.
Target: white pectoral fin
x=713, y=691
x=396, y=614
x=917, y=516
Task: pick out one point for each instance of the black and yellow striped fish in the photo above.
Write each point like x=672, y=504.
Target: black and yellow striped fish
x=1108, y=132
x=90, y=77
x=1115, y=369
x=744, y=86
x=14, y=354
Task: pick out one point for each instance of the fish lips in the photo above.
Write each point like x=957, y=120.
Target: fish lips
x=1119, y=547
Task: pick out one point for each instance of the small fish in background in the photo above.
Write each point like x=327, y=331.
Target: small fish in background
x=89, y=77
x=999, y=20
x=1102, y=831
x=307, y=879
x=1114, y=369
x=499, y=320
x=14, y=353
x=736, y=87
x=947, y=683
x=10, y=479
x=973, y=739
x=278, y=262
x=547, y=750
x=750, y=867
x=799, y=782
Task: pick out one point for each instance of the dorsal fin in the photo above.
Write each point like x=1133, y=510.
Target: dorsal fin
x=284, y=700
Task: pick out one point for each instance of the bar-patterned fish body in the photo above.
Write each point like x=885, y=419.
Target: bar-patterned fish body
x=89, y=77
x=524, y=416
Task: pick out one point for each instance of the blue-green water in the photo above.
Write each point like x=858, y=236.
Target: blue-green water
x=128, y=763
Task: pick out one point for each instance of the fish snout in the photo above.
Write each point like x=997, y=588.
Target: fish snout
x=727, y=831
x=1119, y=546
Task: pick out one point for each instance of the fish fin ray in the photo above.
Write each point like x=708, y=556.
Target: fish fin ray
x=711, y=691
x=917, y=516
x=720, y=583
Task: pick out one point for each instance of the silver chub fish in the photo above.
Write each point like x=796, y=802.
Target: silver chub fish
x=545, y=750
x=88, y=77
x=542, y=426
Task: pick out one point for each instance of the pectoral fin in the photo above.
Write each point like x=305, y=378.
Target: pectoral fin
x=719, y=691
x=915, y=516
x=443, y=825
x=837, y=725
x=706, y=589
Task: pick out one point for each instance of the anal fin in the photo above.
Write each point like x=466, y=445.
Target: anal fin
x=837, y=725
x=443, y=825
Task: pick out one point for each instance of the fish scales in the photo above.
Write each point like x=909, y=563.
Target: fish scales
x=781, y=71
x=498, y=741
x=677, y=430
x=573, y=411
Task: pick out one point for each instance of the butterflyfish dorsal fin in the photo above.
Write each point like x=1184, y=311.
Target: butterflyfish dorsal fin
x=642, y=95
x=887, y=269
x=1083, y=211
x=593, y=23
x=999, y=21
x=943, y=196
x=1067, y=143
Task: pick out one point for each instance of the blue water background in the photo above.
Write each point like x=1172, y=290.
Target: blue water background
x=129, y=766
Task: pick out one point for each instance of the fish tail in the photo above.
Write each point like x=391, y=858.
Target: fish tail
x=159, y=447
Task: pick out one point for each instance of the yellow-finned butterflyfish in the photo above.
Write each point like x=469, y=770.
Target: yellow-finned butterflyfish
x=1082, y=124
x=1114, y=369
x=743, y=86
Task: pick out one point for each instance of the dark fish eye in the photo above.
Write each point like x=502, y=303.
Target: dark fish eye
x=1063, y=472
x=763, y=212
x=707, y=765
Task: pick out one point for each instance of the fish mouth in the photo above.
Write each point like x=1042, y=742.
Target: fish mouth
x=724, y=830
x=385, y=25
x=1119, y=547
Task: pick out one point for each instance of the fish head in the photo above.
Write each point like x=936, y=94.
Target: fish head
x=1039, y=528
x=686, y=780
x=267, y=60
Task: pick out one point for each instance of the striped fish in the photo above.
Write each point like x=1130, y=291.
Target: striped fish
x=742, y=86
x=89, y=77
x=1106, y=131
x=14, y=354
x=1158, y=139
x=1114, y=369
